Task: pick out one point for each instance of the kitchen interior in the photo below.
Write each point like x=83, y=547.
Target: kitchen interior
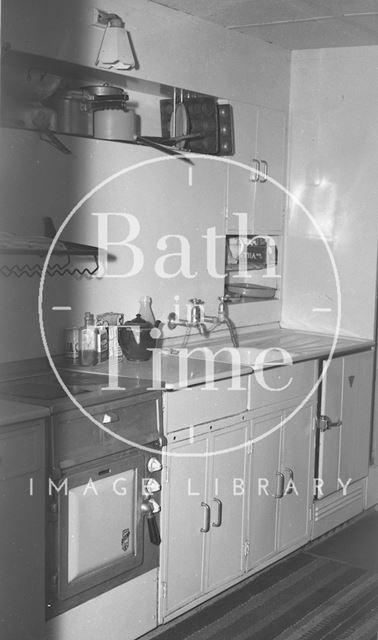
x=187, y=205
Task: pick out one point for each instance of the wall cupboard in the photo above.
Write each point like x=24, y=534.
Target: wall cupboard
x=260, y=143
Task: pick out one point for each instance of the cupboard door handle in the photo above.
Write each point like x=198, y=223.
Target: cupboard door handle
x=254, y=177
x=220, y=510
x=291, y=480
x=265, y=170
x=324, y=423
x=206, y=528
x=280, y=484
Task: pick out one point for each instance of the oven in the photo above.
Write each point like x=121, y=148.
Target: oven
x=103, y=487
x=103, y=499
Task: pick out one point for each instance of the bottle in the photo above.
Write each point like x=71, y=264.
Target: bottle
x=145, y=310
x=87, y=341
x=102, y=340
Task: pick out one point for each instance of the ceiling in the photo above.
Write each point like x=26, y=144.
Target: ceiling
x=291, y=24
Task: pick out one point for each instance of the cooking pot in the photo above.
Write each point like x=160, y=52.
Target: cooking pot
x=135, y=339
x=76, y=109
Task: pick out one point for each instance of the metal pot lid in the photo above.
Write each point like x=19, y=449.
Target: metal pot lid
x=103, y=90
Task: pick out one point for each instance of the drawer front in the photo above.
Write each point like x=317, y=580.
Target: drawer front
x=282, y=383
x=197, y=405
x=76, y=439
x=22, y=449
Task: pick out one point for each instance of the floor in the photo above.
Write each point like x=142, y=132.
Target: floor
x=355, y=544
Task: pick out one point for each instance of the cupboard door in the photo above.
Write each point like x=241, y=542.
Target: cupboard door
x=184, y=517
x=356, y=416
x=241, y=182
x=329, y=441
x=264, y=486
x=297, y=454
x=269, y=199
x=346, y=396
x=226, y=497
x=22, y=532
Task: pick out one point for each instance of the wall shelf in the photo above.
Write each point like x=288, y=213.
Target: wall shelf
x=29, y=246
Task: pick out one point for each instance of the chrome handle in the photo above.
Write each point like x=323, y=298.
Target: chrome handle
x=265, y=169
x=291, y=481
x=254, y=175
x=280, y=484
x=220, y=510
x=206, y=528
x=324, y=423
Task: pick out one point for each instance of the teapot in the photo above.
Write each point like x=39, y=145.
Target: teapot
x=136, y=339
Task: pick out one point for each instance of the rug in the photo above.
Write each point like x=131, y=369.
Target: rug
x=303, y=597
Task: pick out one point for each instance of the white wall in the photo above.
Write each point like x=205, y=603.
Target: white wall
x=333, y=144
x=172, y=48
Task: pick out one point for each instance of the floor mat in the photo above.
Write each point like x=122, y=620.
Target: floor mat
x=303, y=597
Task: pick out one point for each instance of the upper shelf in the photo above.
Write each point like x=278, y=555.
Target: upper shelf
x=16, y=62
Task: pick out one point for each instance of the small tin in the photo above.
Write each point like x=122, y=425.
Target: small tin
x=71, y=344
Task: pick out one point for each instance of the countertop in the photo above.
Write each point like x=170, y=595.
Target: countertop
x=12, y=412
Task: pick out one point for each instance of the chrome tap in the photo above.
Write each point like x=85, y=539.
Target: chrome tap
x=198, y=320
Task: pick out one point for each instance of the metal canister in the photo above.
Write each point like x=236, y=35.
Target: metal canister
x=71, y=344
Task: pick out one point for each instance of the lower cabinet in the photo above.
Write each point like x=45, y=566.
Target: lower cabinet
x=22, y=532
x=344, y=427
x=279, y=509
x=203, y=511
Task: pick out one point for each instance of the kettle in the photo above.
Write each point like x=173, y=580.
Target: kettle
x=136, y=339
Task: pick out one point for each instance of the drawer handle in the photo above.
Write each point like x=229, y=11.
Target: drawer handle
x=220, y=511
x=206, y=528
x=109, y=417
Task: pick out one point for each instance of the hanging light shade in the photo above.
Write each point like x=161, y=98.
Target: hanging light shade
x=115, y=49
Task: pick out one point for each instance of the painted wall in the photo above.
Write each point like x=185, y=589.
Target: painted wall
x=333, y=144
x=37, y=180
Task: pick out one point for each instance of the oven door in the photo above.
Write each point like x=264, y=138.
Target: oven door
x=97, y=536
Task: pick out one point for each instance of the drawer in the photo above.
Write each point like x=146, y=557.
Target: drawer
x=196, y=405
x=76, y=439
x=22, y=449
x=276, y=386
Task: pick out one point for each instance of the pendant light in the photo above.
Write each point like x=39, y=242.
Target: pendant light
x=115, y=49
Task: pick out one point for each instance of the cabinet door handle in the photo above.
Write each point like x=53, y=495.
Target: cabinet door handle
x=291, y=480
x=280, y=484
x=324, y=423
x=265, y=170
x=254, y=177
x=220, y=510
x=206, y=528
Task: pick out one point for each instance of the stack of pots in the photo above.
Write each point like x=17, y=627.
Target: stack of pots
x=97, y=111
